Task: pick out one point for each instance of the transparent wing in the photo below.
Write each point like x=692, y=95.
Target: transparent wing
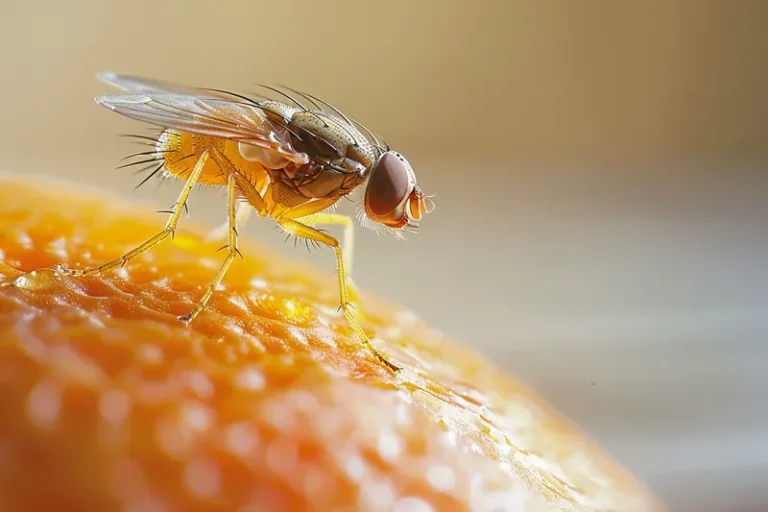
x=141, y=85
x=199, y=111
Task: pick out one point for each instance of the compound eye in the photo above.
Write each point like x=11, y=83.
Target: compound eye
x=389, y=185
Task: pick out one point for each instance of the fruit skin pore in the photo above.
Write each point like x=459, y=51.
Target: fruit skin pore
x=267, y=401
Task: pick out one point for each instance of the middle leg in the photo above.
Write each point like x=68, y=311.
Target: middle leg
x=244, y=210
x=235, y=182
x=231, y=252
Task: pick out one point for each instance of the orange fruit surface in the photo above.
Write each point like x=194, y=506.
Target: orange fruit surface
x=266, y=402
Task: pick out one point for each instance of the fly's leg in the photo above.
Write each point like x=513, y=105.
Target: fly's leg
x=242, y=213
x=349, y=235
x=235, y=182
x=231, y=252
x=170, y=228
x=255, y=201
x=297, y=228
x=348, y=246
x=245, y=187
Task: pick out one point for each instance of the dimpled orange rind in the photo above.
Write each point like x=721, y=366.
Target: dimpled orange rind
x=266, y=402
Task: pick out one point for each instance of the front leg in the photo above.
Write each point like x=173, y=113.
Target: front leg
x=348, y=246
x=302, y=230
x=342, y=220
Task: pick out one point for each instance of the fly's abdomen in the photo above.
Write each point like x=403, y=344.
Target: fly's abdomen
x=182, y=150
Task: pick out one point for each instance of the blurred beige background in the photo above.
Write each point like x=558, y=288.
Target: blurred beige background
x=600, y=172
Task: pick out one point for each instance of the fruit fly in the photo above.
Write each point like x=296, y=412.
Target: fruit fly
x=289, y=159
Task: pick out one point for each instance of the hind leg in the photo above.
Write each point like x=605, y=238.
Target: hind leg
x=170, y=228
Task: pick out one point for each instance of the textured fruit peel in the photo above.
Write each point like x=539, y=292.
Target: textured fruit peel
x=267, y=401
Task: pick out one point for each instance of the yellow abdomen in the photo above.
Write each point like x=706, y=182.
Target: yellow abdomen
x=182, y=150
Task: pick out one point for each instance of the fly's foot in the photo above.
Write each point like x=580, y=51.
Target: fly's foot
x=392, y=367
x=365, y=340
x=39, y=279
x=61, y=270
x=187, y=319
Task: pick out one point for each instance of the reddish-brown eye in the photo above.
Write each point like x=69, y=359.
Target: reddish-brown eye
x=389, y=184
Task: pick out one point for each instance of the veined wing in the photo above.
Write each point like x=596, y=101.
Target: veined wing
x=199, y=111
x=141, y=85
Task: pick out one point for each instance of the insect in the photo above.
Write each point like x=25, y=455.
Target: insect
x=290, y=160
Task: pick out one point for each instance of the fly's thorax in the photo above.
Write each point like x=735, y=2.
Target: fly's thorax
x=316, y=181
x=330, y=139
x=272, y=108
x=364, y=153
x=360, y=150
x=330, y=183
x=266, y=157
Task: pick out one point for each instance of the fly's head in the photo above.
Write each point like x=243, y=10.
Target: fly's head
x=392, y=198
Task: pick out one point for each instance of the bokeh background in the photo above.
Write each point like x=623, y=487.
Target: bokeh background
x=599, y=170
